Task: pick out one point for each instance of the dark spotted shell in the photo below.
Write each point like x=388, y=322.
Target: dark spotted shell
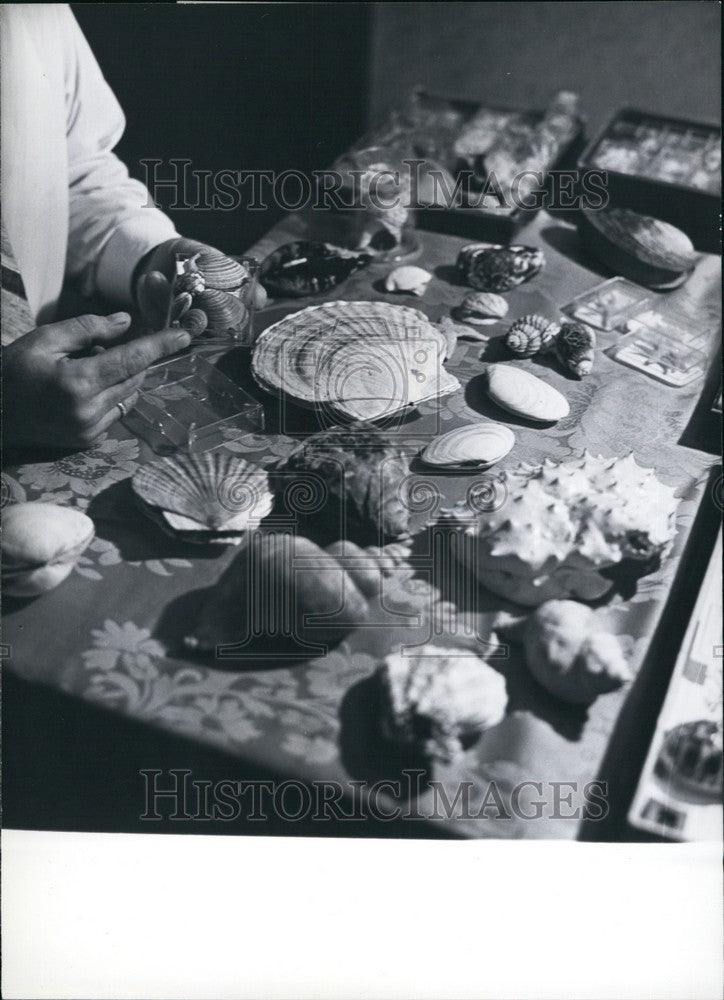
x=498, y=268
x=306, y=268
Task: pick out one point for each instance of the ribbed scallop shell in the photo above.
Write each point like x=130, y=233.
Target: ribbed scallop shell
x=221, y=272
x=472, y=446
x=575, y=347
x=210, y=492
x=531, y=335
x=223, y=310
x=525, y=395
x=482, y=306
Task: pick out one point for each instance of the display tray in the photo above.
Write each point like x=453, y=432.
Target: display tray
x=666, y=167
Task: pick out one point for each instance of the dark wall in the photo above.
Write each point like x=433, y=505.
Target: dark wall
x=233, y=86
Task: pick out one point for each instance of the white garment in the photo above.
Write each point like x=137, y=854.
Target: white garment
x=69, y=207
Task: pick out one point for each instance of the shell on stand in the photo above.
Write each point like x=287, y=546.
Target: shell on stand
x=408, y=278
x=498, y=268
x=531, y=335
x=472, y=446
x=574, y=347
x=482, y=307
x=223, y=310
x=525, y=395
x=302, y=268
x=207, y=493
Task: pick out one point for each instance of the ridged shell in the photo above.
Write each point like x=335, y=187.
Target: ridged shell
x=531, y=335
x=306, y=268
x=210, y=492
x=195, y=321
x=525, y=395
x=472, y=446
x=41, y=543
x=498, y=268
x=360, y=360
x=482, y=307
x=221, y=272
x=574, y=347
x=223, y=310
x=408, y=278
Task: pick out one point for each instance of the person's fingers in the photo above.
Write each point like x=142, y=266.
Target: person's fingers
x=110, y=398
x=114, y=414
x=126, y=360
x=82, y=332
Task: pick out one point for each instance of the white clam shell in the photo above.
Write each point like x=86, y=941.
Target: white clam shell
x=41, y=543
x=472, y=446
x=408, y=278
x=525, y=395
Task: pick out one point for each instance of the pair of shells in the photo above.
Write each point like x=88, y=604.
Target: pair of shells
x=212, y=497
x=573, y=343
x=498, y=268
x=474, y=446
x=41, y=543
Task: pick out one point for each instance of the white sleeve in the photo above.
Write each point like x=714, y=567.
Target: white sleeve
x=113, y=221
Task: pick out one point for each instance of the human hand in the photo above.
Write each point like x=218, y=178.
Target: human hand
x=63, y=383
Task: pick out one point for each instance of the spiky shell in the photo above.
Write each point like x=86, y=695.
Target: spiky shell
x=221, y=272
x=574, y=347
x=223, y=310
x=477, y=445
x=498, y=268
x=408, y=278
x=210, y=492
x=531, y=334
x=41, y=543
x=524, y=394
x=481, y=307
x=437, y=700
x=307, y=268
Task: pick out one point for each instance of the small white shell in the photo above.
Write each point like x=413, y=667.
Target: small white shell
x=41, y=543
x=408, y=278
x=525, y=395
x=472, y=446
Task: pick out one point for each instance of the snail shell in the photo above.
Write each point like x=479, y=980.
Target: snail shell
x=525, y=395
x=223, y=310
x=531, y=335
x=574, y=347
x=472, y=446
x=41, y=543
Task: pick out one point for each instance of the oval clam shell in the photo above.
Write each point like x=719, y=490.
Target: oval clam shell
x=525, y=395
x=208, y=492
x=223, y=310
x=221, y=272
x=472, y=446
x=41, y=543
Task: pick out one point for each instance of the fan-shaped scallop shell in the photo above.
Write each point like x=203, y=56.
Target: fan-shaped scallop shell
x=209, y=492
x=223, y=310
x=575, y=347
x=531, y=335
x=221, y=272
x=525, y=395
x=472, y=446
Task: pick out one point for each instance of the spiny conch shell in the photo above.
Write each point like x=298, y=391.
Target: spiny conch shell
x=525, y=395
x=531, y=335
x=41, y=543
x=472, y=446
x=408, y=278
x=436, y=701
x=574, y=346
x=691, y=757
x=306, y=268
x=155, y=296
x=498, y=268
x=221, y=272
x=223, y=310
x=271, y=594
x=566, y=651
x=195, y=321
x=201, y=495
x=482, y=308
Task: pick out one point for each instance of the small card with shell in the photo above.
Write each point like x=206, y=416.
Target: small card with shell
x=608, y=305
x=662, y=347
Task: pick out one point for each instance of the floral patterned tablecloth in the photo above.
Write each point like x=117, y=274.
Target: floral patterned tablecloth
x=111, y=633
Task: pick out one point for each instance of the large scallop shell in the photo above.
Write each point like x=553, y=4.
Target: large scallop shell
x=223, y=310
x=210, y=492
x=472, y=446
x=525, y=395
x=221, y=272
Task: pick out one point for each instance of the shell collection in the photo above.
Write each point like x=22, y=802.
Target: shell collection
x=498, y=268
x=482, y=308
x=207, y=293
x=211, y=497
x=41, y=543
x=408, y=278
x=573, y=343
x=525, y=395
x=307, y=268
x=474, y=446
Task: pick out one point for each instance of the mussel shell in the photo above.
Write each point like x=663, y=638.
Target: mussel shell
x=525, y=395
x=306, y=268
x=477, y=446
x=498, y=268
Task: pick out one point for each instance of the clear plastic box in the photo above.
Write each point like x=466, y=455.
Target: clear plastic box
x=608, y=305
x=664, y=348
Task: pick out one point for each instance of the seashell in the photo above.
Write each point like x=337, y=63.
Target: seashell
x=498, y=268
x=180, y=306
x=154, y=295
x=188, y=277
x=690, y=758
x=195, y=321
x=639, y=247
x=271, y=594
x=525, y=395
x=436, y=701
x=221, y=272
x=472, y=446
x=211, y=492
x=223, y=310
x=574, y=347
x=566, y=652
x=482, y=307
x=408, y=279
x=306, y=268
x=357, y=360
x=41, y=543
x=531, y=335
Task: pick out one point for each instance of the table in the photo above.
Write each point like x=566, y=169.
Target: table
x=110, y=634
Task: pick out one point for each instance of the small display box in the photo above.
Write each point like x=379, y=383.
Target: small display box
x=666, y=167
x=663, y=347
x=608, y=305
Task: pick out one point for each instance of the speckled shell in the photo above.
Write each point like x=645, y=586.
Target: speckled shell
x=410, y=279
x=498, y=268
x=221, y=272
x=531, y=335
x=524, y=394
x=210, y=492
x=482, y=307
x=574, y=347
x=472, y=446
x=224, y=311
x=41, y=543
x=307, y=268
